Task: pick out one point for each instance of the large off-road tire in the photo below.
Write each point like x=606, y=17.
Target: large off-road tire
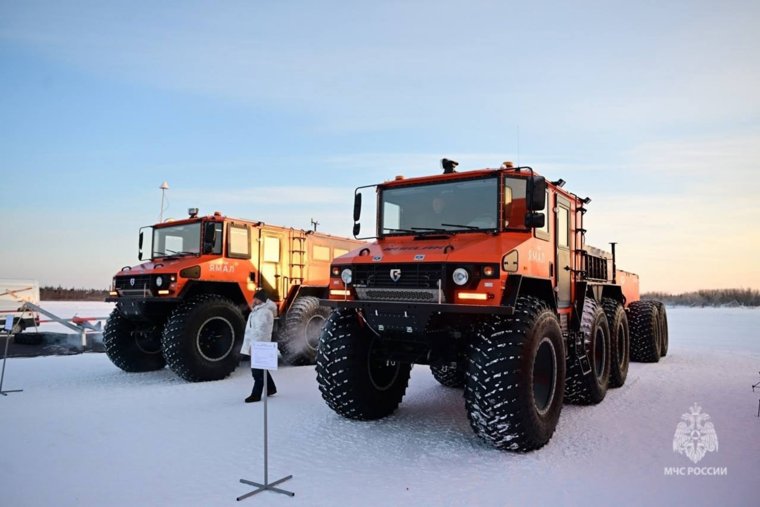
x=591, y=388
x=646, y=340
x=515, y=377
x=353, y=381
x=663, y=318
x=620, y=341
x=202, y=338
x=299, y=333
x=449, y=376
x=132, y=346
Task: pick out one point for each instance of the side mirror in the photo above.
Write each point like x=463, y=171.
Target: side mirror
x=536, y=193
x=357, y=228
x=139, y=246
x=534, y=220
x=357, y=206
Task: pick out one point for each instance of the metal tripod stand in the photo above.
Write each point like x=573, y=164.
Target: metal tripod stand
x=5, y=358
x=267, y=486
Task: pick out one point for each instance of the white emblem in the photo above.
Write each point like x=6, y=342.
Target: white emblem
x=695, y=435
x=395, y=274
x=132, y=282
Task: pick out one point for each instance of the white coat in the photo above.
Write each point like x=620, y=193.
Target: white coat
x=259, y=326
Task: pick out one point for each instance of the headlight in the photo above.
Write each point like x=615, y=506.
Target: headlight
x=335, y=271
x=460, y=276
x=159, y=281
x=346, y=276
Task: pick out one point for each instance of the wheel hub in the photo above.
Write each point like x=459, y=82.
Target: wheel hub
x=382, y=374
x=148, y=341
x=544, y=375
x=600, y=354
x=620, y=341
x=215, y=339
x=312, y=330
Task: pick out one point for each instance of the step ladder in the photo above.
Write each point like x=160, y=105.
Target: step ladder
x=297, y=262
x=579, y=248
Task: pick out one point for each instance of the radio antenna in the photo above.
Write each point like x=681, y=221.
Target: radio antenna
x=164, y=187
x=518, y=145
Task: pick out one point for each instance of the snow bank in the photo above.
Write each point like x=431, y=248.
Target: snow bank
x=85, y=433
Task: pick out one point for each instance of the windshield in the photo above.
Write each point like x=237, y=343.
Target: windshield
x=468, y=205
x=177, y=240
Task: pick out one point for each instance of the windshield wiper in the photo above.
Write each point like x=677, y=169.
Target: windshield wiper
x=470, y=227
x=430, y=229
x=172, y=253
x=391, y=229
x=163, y=254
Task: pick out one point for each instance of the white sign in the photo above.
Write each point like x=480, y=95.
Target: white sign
x=264, y=355
x=9, y=323
x=695, y=435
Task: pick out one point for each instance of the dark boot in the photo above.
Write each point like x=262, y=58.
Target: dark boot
x=256, y=391
x=271, y=388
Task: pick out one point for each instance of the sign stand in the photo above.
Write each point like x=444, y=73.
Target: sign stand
x=9, y=327
x=264, y=356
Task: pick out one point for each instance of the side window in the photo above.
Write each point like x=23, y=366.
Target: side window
x=239, y=242
x=514, y=206
x=337, y=252
x=218, y=243
x=563, y=239
x=271, y=249
x=543, y=232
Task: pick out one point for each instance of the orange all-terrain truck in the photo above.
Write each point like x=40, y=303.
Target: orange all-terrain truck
x=484, y=276
x=187, y=305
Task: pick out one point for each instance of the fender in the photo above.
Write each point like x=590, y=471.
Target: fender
x=519, y=285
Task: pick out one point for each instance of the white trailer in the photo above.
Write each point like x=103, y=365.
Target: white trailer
x=13, y=295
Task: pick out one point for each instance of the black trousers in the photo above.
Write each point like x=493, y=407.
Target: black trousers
x=258, y=382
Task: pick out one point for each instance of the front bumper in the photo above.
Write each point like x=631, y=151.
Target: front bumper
x=430, y=308
x=141, y=299
x=409, y=318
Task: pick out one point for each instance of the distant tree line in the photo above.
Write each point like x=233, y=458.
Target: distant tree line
x=49, y=293
x=713, y=297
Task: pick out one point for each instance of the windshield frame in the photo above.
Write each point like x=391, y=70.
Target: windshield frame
x=166, y=252
x=443, y=230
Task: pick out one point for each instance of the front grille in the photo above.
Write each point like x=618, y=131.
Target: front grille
x=416, y=276
x=141, y=286
x=418, y=295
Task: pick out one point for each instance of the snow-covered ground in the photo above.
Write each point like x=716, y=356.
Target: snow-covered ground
x=85, y=433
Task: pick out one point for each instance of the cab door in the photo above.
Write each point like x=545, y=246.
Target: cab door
x=271, y=257
x=562, y=240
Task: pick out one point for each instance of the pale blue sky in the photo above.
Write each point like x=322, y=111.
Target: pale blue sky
x=276, y=110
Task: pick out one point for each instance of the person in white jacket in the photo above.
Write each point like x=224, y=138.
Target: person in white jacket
x=259, y=329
